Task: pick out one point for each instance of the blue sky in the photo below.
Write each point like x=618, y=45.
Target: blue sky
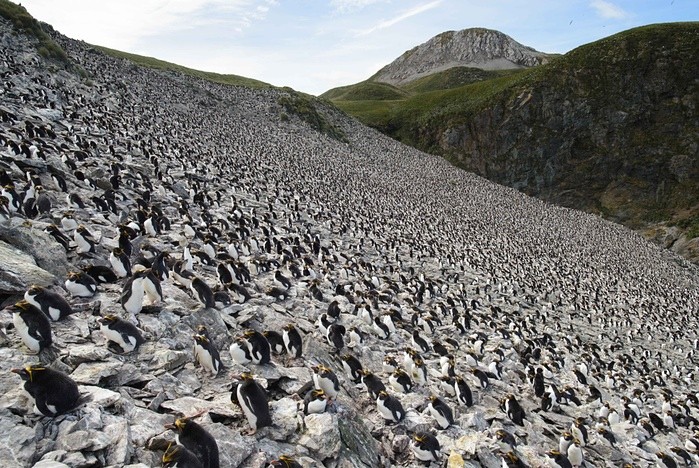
x=314, y=45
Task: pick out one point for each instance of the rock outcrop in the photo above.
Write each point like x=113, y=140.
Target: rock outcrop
x=475, y=48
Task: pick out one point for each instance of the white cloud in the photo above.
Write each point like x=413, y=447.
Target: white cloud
x=345, y=6
x=403, y=16
x=123, y=24
x=608, y=10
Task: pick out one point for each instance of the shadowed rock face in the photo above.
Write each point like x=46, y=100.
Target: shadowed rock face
x=476, y=47
x=364, y=221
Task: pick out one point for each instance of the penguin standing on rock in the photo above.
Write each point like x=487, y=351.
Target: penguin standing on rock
x=202, y=292
x=275, y=340
x=52, y=304
x=352, y=367
x=292, y=340
x=84, y=240
x=53, y=391
x=177, y=456
x=81, y=284
x=325, y=379
x=463, y=392
x=390, y=407
x=335, y=336
x=197, y=440
x=32, y=326
x=240, y=352
x=400, y=381
x=260, y=351
x=206, y=353
x=132, y=294
x=314, y=402
x=425, y=447
x=120, y=263
x=253, y=401
x=122, y=333
x=441, y=412
x=514, y=411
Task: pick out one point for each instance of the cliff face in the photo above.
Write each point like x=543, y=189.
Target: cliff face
x=610, y=128
x=476, y=47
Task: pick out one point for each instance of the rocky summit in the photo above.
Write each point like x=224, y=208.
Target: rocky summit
x=475, y=47
x=446, y=319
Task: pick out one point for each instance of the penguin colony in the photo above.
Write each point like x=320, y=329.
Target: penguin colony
x=231, y=274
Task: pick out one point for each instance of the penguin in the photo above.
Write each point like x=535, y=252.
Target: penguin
x=463, y=392
x=441, y=412
x=389, y=407
x=389, y=364
x=197, y=440
x=579, y=431
x=506, y=438
x=282, y=280
x=52, y=304
x=284, y=461
x=373, y=384
x=575, y=454
x=60, y=182
x=482, y=378
x=121, y=332
x=334, y=310
x=419, y=342
x=355, y=337
x=53, y=391
x=314, y=402
x=159, y=266
x=425, y=447
x=448, y=385
x=100, y=273
x=5, y=213
x=222, y=300
x=84, y=240
x=121, y=265
x=275, y=340
x=253, y=401
x=513, y=410
x=335, y=336
x=419, y=371
x=258, y=345
x=558, y=459
x=666, y=460
x=81, y=284
x=58, y=236
x=380, y=329
x=565, y=441
x=32, y=326
x=400, y=381
x=13, y=198
x=352, y=367
x=177, y=456
x=132, y=294
x=240, y=352
x=206, y=353
x=325, y=379
x=202, y=292
x=292, y=340
x=151, y=287
x=607, y=435
x=324, y=323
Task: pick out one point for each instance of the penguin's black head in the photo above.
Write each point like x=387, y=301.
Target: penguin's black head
x=107, y=319
x=34, y=288
x=283, y=461
x=23, y=305
x=73, y=275
x=383, y=394
x=246, y=376
x=317, y=393
x=419, y=437
x=29, y=373
x=201, y=339
x=288, y=327
x=172, y=453
x=248, y=333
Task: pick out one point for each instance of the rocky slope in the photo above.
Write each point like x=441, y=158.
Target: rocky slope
x=267, y=183
x=481, y=48
x=609, y=128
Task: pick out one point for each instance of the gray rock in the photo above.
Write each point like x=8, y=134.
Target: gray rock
x=286, y=418
x=47, y=253
x=18, y=271
x=233, y=447
x=322, y=435
x=357, y=438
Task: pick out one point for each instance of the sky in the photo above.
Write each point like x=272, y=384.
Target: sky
x=313, y=45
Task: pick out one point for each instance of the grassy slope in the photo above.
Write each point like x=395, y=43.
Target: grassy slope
x=157, y=64
x=24, y=22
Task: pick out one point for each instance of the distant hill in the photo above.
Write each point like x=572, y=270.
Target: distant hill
x=610, y=128
x=479, y=48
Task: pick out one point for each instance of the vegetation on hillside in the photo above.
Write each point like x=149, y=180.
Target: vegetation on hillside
x=157, y=64
x=24, y=22
x=306, y=108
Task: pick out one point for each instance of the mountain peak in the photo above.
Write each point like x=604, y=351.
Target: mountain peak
x=482, y=48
